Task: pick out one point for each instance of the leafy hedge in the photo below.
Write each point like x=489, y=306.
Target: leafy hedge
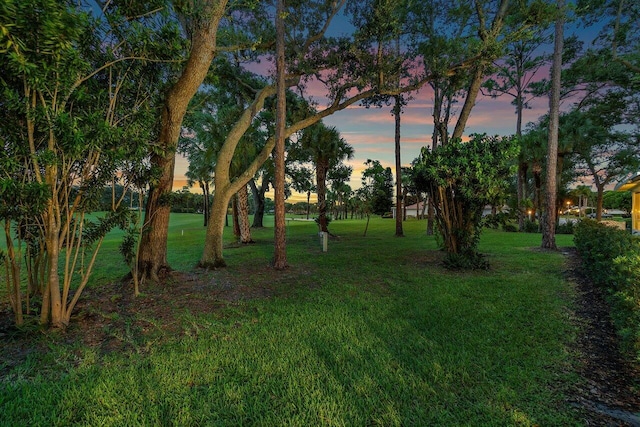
x=611, y=257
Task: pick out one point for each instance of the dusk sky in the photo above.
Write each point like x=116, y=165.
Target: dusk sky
x=371, y=131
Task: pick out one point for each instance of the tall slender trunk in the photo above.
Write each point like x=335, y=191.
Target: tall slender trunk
x=204, y=186
x=549, y=216
x=470, y=100
x=280, y=243
x=397, y=110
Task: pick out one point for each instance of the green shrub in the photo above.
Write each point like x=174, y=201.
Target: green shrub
x=567, y=227
x=598, y=245
x=626, y=299
x=611, y=257
x=531, y=226
x=510, y=227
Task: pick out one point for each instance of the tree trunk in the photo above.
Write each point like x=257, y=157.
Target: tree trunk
x=12, y=270
x=243, y=215
x=235, y=215
x=430, y=215
x=469, y=102
x=204, y=186
x=321, y=183
x=549, y=222
x=397, y=110
x=212, y=253
x=522, y=192
x=258, y=201
x=280, y=243
x=153, y=243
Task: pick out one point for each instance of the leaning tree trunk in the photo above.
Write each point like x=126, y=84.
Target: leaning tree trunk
x=153, y=243
x=212, y=254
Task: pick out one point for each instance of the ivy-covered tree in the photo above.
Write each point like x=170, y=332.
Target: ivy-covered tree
x=462, y=178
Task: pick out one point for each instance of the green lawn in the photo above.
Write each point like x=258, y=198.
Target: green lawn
x=373, y=332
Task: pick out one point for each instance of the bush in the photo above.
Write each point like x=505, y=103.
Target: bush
x=567, y=227
x=496, y=220
x=598, y=245
x=531, y=226
x=510, y=227
x=611, y=257
x=626, y=299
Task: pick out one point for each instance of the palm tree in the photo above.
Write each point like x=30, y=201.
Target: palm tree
x=326, y=149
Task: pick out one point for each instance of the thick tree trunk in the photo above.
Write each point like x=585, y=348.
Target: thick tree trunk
x=212, y=254
x=153, y=243
x=258, y=201
x=243, y=216
x=548, y=225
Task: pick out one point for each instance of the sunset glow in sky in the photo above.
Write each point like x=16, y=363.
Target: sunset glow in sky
x=371, y=131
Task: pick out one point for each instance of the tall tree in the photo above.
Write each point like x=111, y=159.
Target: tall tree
x=551, y=190
x=351, y=72
x=280, y=253
x=378, y=182
x=326, y=149
x=514, y=77
x=201, y=23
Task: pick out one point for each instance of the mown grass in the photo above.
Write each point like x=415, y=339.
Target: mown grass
x=373, y=332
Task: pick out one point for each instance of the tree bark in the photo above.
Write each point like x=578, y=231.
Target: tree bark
x=153, y=243
x=280, y=243
x=321, y=183
x=549, y=215
x=235, y=215
x=243, y=215
x=204, y=186
x=212, y=253
x=397, y=110
x=258, y=201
